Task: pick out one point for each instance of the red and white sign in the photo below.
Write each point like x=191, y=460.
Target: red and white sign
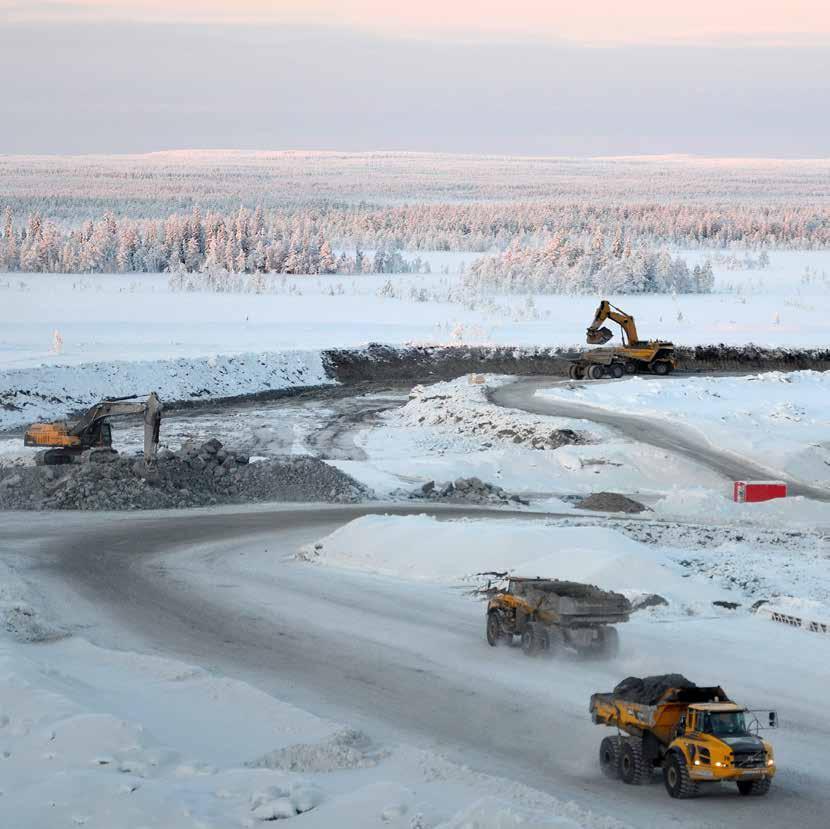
x=750, y=492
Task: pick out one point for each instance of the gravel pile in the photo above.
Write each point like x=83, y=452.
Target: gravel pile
x=610, y=502
x=470, y=490
x=195, y=476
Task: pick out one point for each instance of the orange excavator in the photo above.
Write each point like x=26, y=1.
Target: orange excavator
x=66, y=441
x=634, y=355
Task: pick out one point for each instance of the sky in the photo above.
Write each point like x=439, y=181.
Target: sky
x=526, y=77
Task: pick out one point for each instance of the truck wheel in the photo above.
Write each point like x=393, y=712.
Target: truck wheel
x=596, y=372
x=574, y=372
x=494, y=632
x=609, y=757
x=676, y=776
x=660, y=367
x=608, y=644
x=617, y=371
x=528, y=641
x=633, y=768
x=631, y=367
x=754, y=788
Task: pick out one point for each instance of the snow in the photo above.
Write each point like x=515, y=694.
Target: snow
x=48, y=392
x=107, y=323
x=778, y=419
x=448, y=430
x=109, y=739
x=425, y=549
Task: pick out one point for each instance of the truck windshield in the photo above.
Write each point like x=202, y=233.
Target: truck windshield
x=725, y=723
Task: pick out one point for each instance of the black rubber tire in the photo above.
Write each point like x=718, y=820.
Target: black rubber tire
x=528, y=641
x=574, y=372
x=494, y=631
x=676, y=777
x=580, y=372
x=609, y=757
x=596, y=372
x=631, y=367
x=754, y=788
x=617, y=371
x=608, y=642
x=660, y=367
x=633, y=769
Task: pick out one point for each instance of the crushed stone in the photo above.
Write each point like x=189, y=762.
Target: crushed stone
x=197, y=475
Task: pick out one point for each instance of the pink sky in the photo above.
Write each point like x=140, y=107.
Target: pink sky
x=606, y=21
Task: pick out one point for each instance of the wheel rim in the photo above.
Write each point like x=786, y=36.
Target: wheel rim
x=672, y=776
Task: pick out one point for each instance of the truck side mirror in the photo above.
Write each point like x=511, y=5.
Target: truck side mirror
x=773, y=719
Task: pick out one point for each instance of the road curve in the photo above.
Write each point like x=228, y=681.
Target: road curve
x=399, y=660
x=672, y=437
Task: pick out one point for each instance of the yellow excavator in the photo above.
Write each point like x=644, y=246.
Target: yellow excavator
x=633, y=356
x=66, y=441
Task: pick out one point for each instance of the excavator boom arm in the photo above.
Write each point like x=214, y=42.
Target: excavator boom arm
x=150, y=408
x=597, y=335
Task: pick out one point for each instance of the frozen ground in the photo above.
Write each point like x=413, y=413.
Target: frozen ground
x=400, y=658
x=779, y=419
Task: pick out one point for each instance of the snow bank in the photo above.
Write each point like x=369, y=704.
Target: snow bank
x=421, y=548
x=46, y=392
x=695, y=503
x=778, y=419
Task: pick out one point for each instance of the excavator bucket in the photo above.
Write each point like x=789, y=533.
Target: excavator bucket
x=599, y=336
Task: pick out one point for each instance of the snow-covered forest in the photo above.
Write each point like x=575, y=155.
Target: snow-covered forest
x=563, y=267
x=539, y=225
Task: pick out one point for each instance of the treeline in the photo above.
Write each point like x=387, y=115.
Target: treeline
x=247, y=242
x=497, y=225
x=565, y=266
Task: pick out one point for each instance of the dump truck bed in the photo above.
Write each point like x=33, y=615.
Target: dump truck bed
x=636, y=711
x=567, y=602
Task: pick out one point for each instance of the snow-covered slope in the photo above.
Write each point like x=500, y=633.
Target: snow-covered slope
x=51, y=391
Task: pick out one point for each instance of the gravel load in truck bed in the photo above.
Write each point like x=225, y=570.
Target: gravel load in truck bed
x=647, y=690
x=195, y=476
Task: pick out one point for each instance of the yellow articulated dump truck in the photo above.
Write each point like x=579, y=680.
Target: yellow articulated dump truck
x=548, y=614
x=695, y=735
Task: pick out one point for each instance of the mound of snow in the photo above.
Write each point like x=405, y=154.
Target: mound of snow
x=422, y=548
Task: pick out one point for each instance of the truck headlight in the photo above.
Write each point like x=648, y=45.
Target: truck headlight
x=770, y=762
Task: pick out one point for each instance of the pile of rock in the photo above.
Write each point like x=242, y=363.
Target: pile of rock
x=197, y=475
x=471, y=490
x=610, y=502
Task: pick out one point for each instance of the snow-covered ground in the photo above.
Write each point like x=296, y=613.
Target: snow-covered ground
x=450, y=430
x=780, y=420
x=113, y=739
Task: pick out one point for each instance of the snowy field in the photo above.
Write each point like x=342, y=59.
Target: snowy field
x=137, y=317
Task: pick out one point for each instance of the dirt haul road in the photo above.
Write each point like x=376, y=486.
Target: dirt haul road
x=673, y=437
x=408, y=661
